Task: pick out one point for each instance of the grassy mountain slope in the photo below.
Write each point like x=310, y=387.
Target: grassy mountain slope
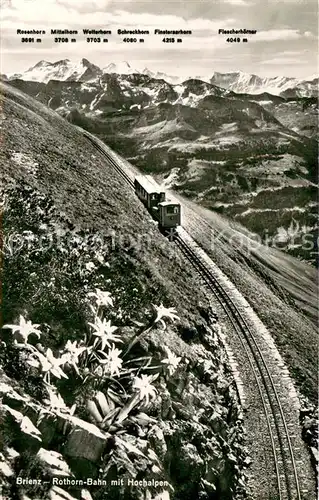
x=71, y=226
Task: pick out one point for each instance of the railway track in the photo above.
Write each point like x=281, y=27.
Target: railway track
x=123, y=174
x=285, y=469
x=285, y=474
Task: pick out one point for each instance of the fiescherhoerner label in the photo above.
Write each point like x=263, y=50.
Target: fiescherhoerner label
x=237, y=32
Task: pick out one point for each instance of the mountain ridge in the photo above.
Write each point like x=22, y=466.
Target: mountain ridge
x=236, y=81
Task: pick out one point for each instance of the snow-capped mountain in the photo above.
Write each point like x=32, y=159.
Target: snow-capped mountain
x=158, y=75
x=238, y=82
x=63, y=70
x=245, y=83
x=121, y=68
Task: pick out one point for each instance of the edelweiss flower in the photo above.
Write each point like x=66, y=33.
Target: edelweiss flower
x=89, y=266
x=143, y=385
x=55, y=400
x=171, y=361
x=56, y=405
x=113, y=362
x=102, y=298
x=25, y=328
x=105, y=333
x=49, y=364
x=71, y=354
x=165, y=312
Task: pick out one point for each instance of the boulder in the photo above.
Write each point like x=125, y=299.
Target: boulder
x=157, y=439
x=57, y=493
x=53, y=462
x=26, y=435
x=85, y=440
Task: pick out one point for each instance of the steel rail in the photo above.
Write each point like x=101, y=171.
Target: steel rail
x=241, y=326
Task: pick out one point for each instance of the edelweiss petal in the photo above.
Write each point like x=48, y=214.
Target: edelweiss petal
x=102, y=298
x=113, y=362
x=25, y=328
x=105, y=332
x=71, y=353
x=165, y=312
x=171, y=361
x=50, y=364
x=143, y=385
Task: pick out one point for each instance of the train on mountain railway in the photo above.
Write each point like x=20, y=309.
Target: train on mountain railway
x=165, y=211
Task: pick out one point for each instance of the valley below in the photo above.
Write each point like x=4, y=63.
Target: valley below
x=251, y=157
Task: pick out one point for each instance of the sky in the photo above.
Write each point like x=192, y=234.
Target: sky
x=286, y=42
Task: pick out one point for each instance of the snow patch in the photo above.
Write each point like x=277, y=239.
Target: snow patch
x=61, y=70
x=262, y=210
x=121, y=68
x=227, y=127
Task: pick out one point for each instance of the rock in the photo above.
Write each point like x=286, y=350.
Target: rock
x=309, y=423
x=166, y=403
x=315, y=454
x=182, y=412
x=26, y=435
x=5, y=387
x=22, y=404
x=304, y=412
x=5, y=468
x=86, y=495
x=85, y=440
x=57, y=493
x=12, y=453
x=81, y=467
x=54, y=462
x=164, y=495
x=49, y=428
x=191, y=466
x=157, y=440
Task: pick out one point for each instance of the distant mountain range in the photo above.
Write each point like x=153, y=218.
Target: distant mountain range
x=239, y=82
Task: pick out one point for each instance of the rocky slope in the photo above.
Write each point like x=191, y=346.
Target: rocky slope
x=298, y=115
x=83, y=257
x=252, y=156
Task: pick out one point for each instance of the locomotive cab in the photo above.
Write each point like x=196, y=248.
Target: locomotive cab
x=169, y=214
